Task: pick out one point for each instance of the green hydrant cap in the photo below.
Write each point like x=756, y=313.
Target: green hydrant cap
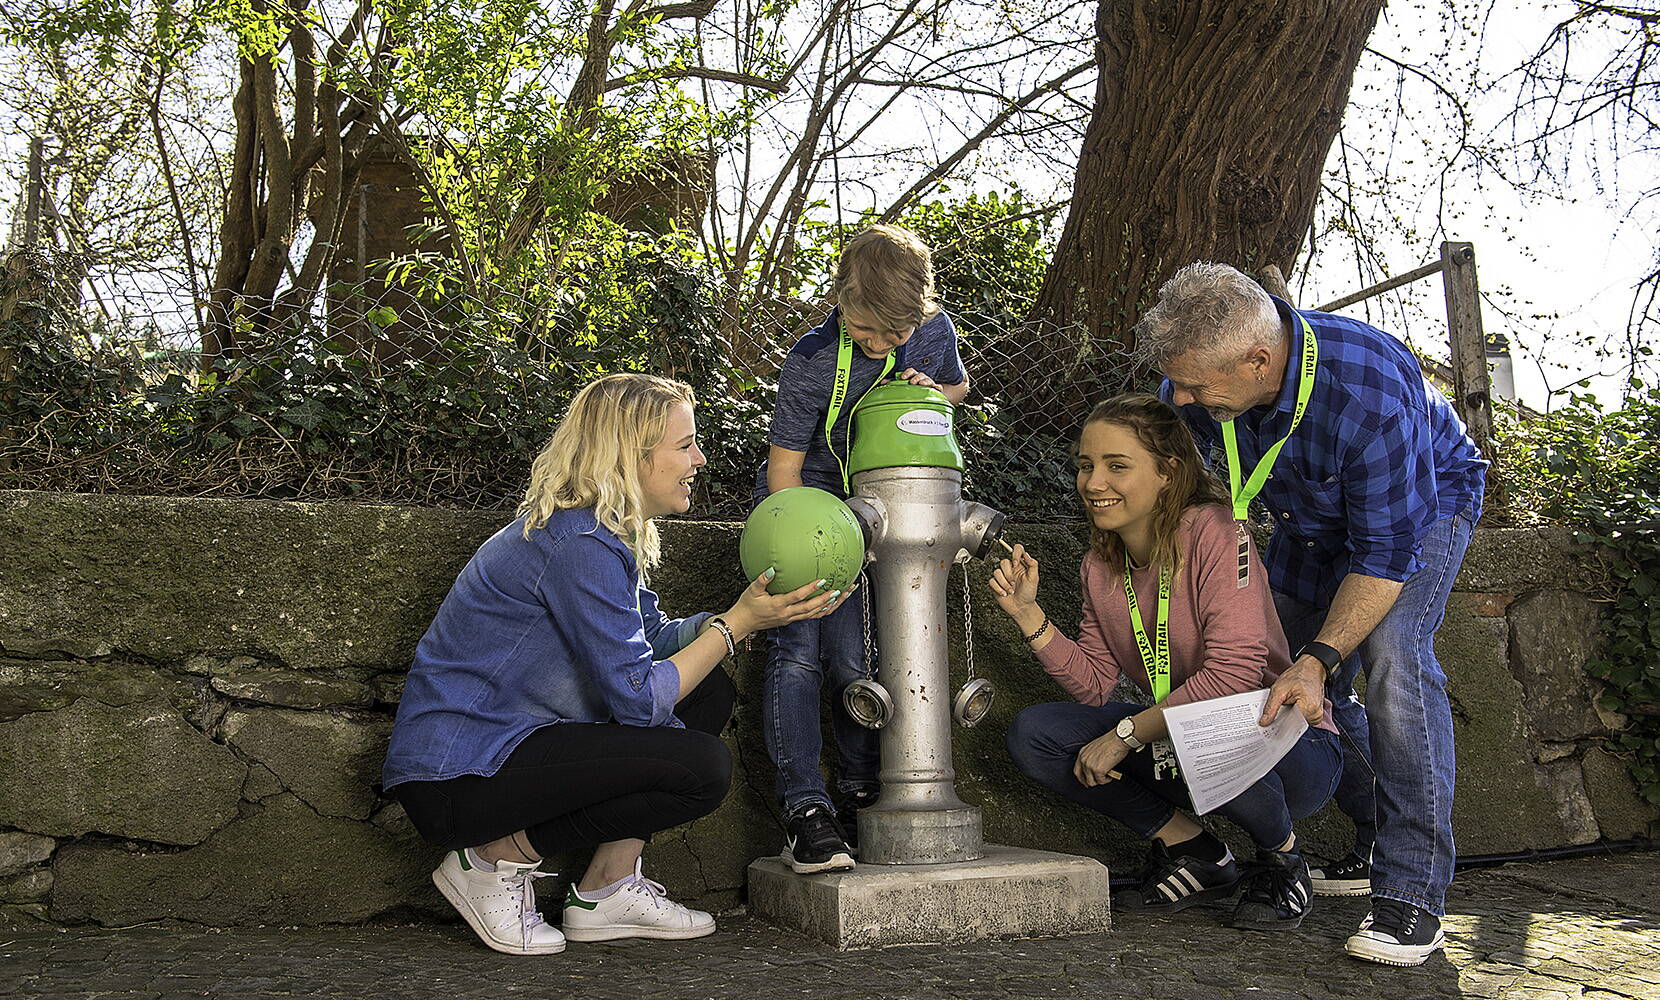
x=806, y=534
x=899, y=424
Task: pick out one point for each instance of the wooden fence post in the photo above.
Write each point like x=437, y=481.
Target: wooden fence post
x=1472, y=387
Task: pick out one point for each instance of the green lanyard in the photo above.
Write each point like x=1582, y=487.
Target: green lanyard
x=1243, y=495
x=838, y=397
x=1155, y=657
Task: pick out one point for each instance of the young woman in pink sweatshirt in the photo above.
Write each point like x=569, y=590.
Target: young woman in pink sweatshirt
x=1176, y=603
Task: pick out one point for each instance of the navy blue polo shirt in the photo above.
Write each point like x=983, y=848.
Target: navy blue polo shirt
x=809, y=374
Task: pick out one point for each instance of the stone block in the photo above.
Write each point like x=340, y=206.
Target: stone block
x=1009, y=893
x=1516, y=560
x=1564, y=784
x=293, y=689
x=279, y=864
x=1552, y=634
x=137, y=771
x=330, y=761
x=1487, y=605
x=1621, y=812
x=262, y=783
x=166, y=577
x=388, y=688
x=394, y=820
x=47, y=685
x=26, y=916
x=19, y=851
x=1498, y=806
x=26, y=887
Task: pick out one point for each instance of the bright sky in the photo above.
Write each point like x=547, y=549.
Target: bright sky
x=1556, y=271
x=1573, y=262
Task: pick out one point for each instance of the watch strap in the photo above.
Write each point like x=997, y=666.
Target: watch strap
x=1328, y=656
x=1127, y=733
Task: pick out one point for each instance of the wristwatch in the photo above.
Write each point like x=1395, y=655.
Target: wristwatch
x=1126, y=732
x=1328, y=656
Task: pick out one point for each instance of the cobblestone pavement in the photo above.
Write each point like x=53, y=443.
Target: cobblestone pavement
x=1583, y=928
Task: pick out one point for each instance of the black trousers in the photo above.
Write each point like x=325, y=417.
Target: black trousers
x=576, y=784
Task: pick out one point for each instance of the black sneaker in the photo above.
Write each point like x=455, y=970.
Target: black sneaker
x=848, y=815
x=1350, y=877
x=1396, y=933
x=1171, y=884
x=815, y=843
x=1276, y=893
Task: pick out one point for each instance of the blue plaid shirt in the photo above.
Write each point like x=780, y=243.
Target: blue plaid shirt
x=1379, y=457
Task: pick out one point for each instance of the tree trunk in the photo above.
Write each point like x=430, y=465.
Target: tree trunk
x=1211, y=127
x=236, y=227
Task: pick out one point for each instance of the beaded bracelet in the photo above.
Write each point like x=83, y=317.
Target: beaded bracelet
x=1035, y=636
x=725, y=631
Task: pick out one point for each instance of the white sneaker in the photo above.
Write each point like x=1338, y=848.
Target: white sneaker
x=499, y=906
x=638, y=908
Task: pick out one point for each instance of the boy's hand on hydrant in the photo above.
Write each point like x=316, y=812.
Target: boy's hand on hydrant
x=915, y=377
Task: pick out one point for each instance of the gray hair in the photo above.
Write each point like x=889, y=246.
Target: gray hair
x=1210, y=308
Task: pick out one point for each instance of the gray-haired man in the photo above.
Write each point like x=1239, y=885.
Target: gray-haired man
x=1374, y=487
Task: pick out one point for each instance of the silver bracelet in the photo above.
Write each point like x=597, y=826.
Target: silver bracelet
x=725, y=631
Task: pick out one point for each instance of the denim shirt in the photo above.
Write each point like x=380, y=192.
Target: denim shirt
x=553, y=628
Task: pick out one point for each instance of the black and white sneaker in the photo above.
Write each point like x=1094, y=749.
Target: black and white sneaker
x=1170, y=884
x=1350, y=877
x=1276, y=894
x=848, y=816
x=815, y=843
x=1396, y=933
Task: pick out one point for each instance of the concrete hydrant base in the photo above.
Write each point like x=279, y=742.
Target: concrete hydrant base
x=1011, y=892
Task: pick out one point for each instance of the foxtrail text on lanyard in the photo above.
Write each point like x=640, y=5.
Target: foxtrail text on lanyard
x=1155, y=657
x=1244, y=492
x=838, y=397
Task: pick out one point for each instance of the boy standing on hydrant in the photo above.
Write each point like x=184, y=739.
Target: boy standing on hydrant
x=887, y=324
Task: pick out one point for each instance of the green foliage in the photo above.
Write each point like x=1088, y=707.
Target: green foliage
x=990, y=254
x=490, y=82
x=1601, y=473
x=316, y=418
x=446, y=395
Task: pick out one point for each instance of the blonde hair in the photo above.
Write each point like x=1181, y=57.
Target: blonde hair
x=1164, y=434
x=593, y=458
x=886, y=277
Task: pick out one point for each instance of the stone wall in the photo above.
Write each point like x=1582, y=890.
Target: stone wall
x=195, y=696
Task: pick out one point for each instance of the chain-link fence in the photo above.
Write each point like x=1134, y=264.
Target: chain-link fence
x=392, y=391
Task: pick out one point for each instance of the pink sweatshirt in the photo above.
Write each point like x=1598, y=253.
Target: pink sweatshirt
x=1224, y=639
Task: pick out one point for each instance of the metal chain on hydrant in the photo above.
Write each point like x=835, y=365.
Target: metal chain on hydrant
x=870, y=644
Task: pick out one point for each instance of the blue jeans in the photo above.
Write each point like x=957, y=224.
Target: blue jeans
x=1044, y=741
x=1403, y=815
x=801, y=656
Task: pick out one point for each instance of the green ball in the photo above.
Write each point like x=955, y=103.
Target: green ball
x=806, y=534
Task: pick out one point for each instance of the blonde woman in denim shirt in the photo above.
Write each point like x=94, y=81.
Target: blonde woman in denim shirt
x=553, y=705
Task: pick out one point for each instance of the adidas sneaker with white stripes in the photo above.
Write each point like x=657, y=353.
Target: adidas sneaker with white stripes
x=1169, y=884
